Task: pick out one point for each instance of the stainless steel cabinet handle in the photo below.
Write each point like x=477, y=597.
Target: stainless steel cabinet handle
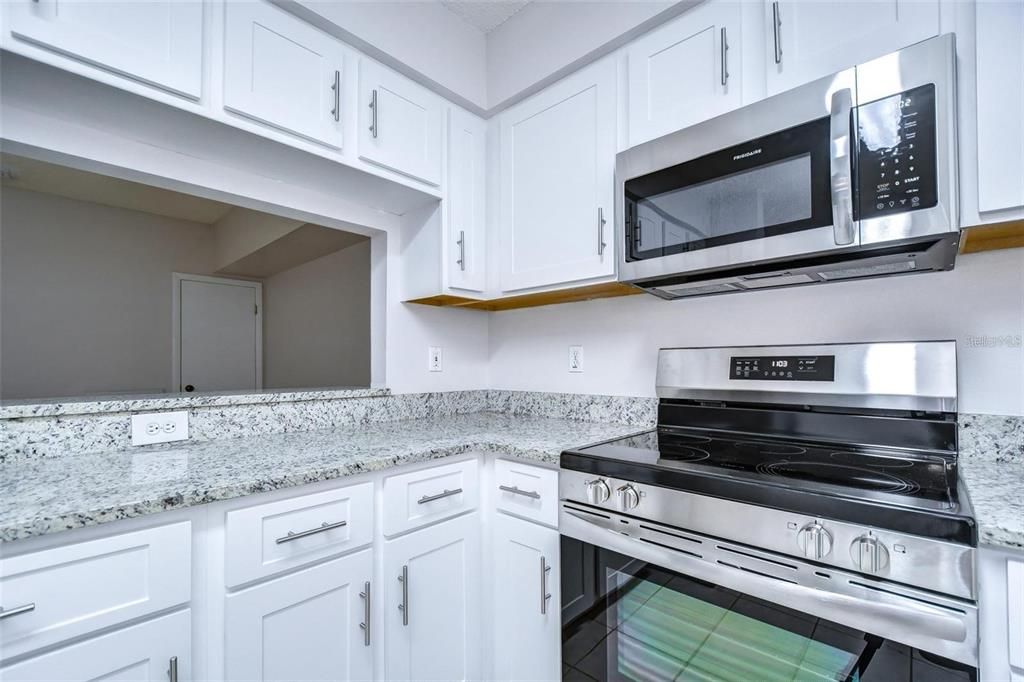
x=516, y=491
x=462, y=250
x=544, y=594
x=323, y=528
x=404, y=606
x=842, y=189
x=373, y=118
x=600, y=231
x=725, y=58
x=439, y=496
x=8, y=613
x=172, y=670
x=776, y=23
x=365, y=625
x=336, y=111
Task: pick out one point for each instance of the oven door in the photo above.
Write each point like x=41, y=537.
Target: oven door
x=647, y=602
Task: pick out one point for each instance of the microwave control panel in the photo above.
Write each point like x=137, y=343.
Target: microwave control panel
x=895, y=158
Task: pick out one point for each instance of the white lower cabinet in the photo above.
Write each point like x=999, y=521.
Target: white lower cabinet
x=310, y=625
x=431, y=602
x=154, y=651
x=527, y=602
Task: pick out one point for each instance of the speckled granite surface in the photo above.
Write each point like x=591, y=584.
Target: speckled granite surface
x=992, y=466
x=51, y=494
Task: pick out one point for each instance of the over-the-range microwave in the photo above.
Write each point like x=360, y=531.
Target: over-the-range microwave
x=850, y=176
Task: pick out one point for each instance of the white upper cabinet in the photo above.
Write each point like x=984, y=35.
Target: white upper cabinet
x=556, y=185
x=528, y=613
x=808, y=40
x=1000, y=102
x=685, y=71
x=431, y=602
x=464, y=251
x=154, y=42
x=283, y=72
x=400, y=123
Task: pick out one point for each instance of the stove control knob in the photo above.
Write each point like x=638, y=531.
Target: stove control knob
x=629, y=498
x=815, y=541
x=869, y=554
x=598, y=491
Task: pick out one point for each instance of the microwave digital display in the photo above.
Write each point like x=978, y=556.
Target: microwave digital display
x=783, y=367
x=895, y=155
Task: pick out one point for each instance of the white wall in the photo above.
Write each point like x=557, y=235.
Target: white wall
x=980, y=304
x=316, y=322
x=86, y=296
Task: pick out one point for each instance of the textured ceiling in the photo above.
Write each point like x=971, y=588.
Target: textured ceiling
x=486, y=15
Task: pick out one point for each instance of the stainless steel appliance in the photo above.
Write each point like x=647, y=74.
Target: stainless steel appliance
x=850, y=176
x=796, y=514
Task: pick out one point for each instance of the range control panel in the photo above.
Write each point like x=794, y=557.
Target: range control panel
x=783, y=368
x=895, y=157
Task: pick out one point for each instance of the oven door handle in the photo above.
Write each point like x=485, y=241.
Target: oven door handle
x=840, y=140
x=879, y=615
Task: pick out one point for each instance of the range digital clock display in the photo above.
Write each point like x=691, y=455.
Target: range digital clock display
x=783, y=368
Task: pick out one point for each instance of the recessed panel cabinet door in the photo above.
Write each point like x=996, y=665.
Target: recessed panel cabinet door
x=685, y=71
x=283, y=72
x=147, y=652
x=400, y=123
x=431, y=602
x=809, y=40
x=310, y=625
x=155, y=42
x=527, y=622
x=557, y=177
x=467, y=150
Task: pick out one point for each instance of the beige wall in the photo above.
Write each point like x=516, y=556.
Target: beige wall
x=316, y=322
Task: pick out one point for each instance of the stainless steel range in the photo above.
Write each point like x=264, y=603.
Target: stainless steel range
x=796, y=514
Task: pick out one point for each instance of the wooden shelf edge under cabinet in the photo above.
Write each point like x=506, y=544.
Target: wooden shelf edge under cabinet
x=584, y=293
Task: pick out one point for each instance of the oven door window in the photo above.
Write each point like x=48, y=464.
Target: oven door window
x=769, y=186
x=630, y=620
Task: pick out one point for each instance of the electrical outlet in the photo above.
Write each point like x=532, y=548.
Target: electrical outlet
x=575, y=358
x=159, y=427
x=434, y=359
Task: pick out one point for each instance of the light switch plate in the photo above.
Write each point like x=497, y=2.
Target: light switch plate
x=159, y=427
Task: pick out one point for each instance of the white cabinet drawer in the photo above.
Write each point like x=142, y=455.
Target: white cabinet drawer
x=278, y=536
x=1015, y=604
x=527, y=491
x=80, y=588
x=420, y=497
x=143, y=653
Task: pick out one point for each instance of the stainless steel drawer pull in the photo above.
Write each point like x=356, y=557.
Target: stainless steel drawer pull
x=373, y=119
x=776, y=23
x=365, y=625
x=462, y=250
x=323, y=528
x=8, y=613
x=533, y=494
x=544, y=594
x=404, y=606
x=172, y=670
x=439, y=496
x=336, y=111
x=725, y=58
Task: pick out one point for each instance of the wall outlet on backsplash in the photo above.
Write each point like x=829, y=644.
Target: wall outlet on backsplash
x=575, y=359
x=159, y=427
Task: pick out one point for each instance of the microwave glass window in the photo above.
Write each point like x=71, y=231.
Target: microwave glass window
x=773, y=194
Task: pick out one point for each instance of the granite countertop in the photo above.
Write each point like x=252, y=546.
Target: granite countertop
x=55, y=494
x=996, y=490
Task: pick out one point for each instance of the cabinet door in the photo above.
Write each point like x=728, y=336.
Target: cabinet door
x=464, y=250
x=557, y=177
x=400, y=123
x=432, y=602
x=155, y=42
x=147, y=651
x=310, y=625
x=527, y=616
x=283, y=72
x=808, y=40
x=686, y=71
x=1000, y=99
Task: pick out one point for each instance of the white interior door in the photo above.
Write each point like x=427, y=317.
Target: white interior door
x=219, y=334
